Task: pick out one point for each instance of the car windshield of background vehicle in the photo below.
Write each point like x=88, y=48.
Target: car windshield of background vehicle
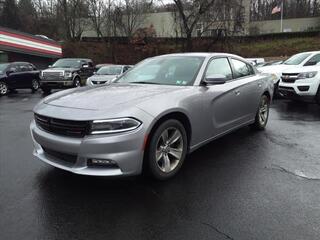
x=3, y=67
x=297, y=59
x=114, y=70
x=66, y=63
x=174, y=70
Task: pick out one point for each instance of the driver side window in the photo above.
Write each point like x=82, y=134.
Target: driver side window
x=315, y=59
x=219, y=66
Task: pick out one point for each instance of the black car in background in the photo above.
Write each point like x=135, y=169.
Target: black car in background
x=66, y=73
x=18, y=75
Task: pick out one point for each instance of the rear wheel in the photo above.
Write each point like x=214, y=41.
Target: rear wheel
x=167, y=150
x=35, y=85
x=262, y=115
x=3, y=88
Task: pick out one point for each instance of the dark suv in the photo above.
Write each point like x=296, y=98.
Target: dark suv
x=66, y=73
x=18, y=75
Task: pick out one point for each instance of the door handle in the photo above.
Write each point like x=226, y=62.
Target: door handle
x=259, y=84
x=237, y=92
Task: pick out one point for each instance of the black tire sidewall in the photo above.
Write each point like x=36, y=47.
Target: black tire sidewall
x=318, y=96
x=75, y=81
x=151, y=164
x=7, y=88
x=257, y=124
x=35, y=89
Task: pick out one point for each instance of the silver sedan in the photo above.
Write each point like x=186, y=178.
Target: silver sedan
x=152, y=116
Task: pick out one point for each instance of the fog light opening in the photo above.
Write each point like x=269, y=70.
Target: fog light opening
x=105, y=163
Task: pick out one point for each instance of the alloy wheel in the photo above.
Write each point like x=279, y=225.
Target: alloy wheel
x=263, y=111
x=169, y=149
x=3, y=88
x=77, y=83
x=35, y=84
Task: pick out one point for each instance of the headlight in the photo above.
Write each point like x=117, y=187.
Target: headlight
x=307, y=75
x=114, y=125
x=67, y=74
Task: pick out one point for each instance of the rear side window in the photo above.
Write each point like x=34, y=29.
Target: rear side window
x=219, y=66
x=24, y=68
x=241, y=69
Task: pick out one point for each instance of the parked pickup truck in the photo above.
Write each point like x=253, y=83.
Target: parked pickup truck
x=66, y=73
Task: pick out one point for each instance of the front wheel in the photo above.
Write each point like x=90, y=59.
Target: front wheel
x=3, y=88
x=318, y=96
x=262, y=115
x=77, y=82
x=167, y=150
x=46, y=90
x=35, y=85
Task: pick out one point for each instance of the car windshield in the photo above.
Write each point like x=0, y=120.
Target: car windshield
x=110, y=70
x=3, y=67
x=166, y=70
x=297, y=59
x=67, y=63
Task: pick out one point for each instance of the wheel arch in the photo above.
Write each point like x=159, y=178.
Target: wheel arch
x=177, y=115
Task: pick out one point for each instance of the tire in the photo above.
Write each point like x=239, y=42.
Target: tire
x=35, y=85
x=46, y=90
x=162, y=161
x=77, y=82
x=262, y=115
x=318, y=96
x=3, y=88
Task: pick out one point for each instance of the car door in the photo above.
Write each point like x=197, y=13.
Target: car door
x=25, y=76
x=13, y=76
x=249, y=87
x=225, y=101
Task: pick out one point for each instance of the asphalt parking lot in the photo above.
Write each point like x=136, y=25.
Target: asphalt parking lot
x=247, y=185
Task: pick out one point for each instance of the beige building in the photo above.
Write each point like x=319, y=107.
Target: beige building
x=165, y=26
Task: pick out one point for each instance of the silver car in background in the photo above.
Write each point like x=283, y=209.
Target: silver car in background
x=106, y=74
x=150, y=120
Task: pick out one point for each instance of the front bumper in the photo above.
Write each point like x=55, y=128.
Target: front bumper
x=304, y=89
x=124, y=150
x=57, y=84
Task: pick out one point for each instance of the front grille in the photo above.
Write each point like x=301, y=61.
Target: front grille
x=52, y=75
x=289, y=77
x=99, y=82
x=60, y=156
x=62, y=127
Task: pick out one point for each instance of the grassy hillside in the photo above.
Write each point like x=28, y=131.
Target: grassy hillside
x=128, y=53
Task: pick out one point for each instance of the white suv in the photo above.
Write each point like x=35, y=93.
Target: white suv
x=301, y=83
x=295, y=62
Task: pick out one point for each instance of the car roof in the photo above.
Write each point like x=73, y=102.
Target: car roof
x=203, y=54
x=80, y=59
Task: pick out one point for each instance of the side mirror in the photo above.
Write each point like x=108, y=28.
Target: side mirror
x=94, y=73
x=85, y=66
x=215, y=79
x=50, y=66
x=311, y=63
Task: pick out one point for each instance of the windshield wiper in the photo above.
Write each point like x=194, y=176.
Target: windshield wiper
x=144, y=82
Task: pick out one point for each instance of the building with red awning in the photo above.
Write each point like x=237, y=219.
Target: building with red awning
x=18, y=46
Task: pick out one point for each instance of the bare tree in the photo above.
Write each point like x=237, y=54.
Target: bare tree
x=208, y=17
x=131, y=14
x=72, y=13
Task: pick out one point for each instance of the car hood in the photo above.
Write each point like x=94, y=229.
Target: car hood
x=303, y=69
x=60, y=69
x=102, y=77
x=276, y=69
x=108, y=96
